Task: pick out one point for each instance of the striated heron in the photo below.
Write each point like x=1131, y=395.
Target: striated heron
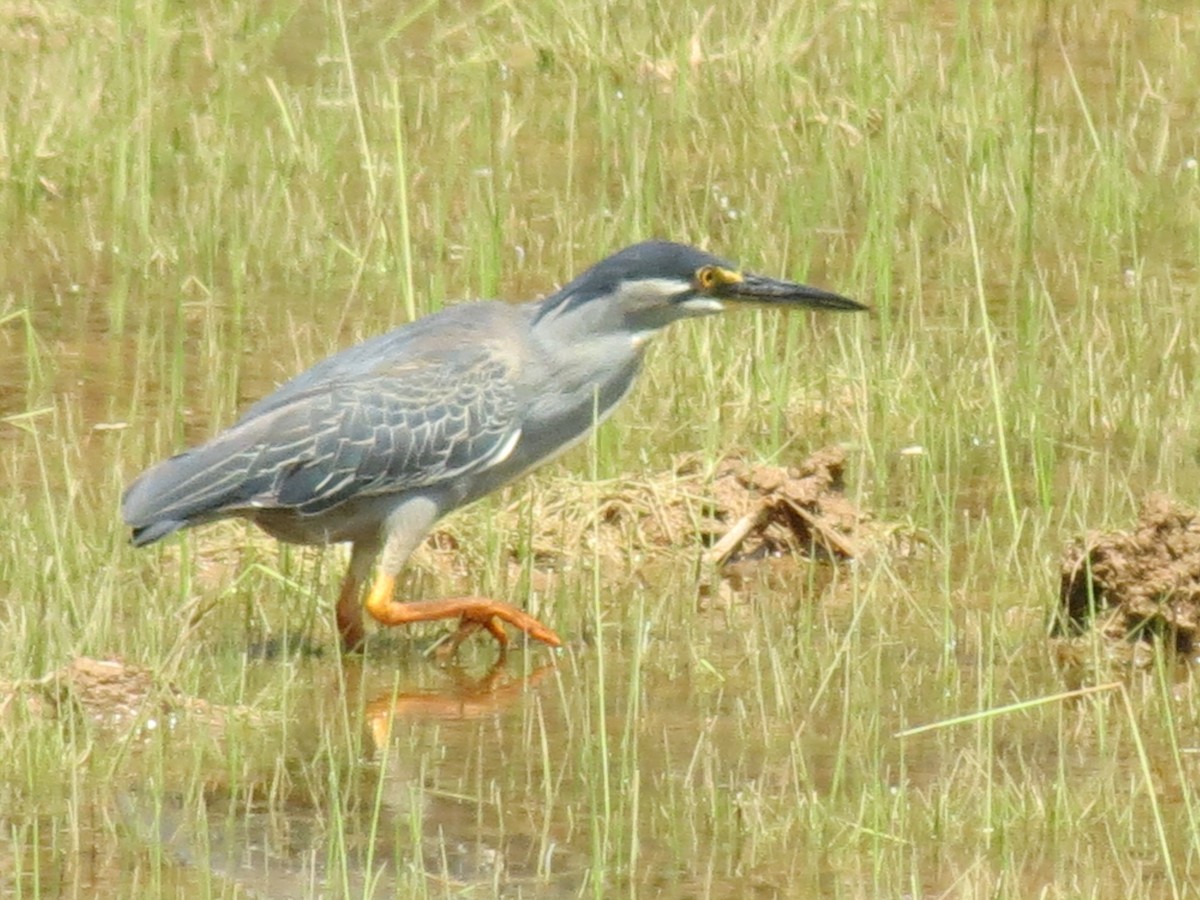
x=376, y=443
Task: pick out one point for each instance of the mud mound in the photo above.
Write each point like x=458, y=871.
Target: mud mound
x=1138, y=585
x=754, y=511
x=735, y=511
x=117, y=697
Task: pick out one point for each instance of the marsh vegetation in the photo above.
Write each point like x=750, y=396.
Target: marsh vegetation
x=197, y=201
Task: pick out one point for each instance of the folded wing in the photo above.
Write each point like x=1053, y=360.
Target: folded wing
x=358, y=429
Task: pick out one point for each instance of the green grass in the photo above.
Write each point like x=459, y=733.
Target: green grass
x=198, y=202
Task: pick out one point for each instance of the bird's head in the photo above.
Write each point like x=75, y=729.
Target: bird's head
x=652, y=284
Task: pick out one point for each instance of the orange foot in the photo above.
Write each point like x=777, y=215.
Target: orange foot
x=473, y=613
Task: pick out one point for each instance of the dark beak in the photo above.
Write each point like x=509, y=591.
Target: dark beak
x=757, y=289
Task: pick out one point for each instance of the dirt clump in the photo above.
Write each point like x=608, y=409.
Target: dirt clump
x=762, y=510
x=732, y=512
x=1138, y=586
x=116, y=697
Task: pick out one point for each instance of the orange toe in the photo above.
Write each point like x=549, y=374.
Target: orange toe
x=476, y=612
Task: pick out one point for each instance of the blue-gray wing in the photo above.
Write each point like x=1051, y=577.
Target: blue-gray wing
x=399, y=425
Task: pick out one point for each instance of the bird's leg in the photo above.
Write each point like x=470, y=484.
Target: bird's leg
x=475, y=613
x=349, y=613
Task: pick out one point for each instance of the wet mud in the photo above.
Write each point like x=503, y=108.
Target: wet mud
x=731, y=512
x=117, y=698
x=1134, y=588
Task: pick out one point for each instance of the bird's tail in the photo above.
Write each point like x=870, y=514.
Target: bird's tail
x=196, y=486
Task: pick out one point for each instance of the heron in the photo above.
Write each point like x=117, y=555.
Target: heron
x=375, y=444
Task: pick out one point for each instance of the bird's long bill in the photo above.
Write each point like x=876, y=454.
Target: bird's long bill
x=758, y=289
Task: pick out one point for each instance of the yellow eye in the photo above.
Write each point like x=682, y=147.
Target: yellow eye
x=707, y=278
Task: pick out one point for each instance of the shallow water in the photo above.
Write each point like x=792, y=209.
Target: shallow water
x=514, y=786
x=640, y=765
x=209, y=225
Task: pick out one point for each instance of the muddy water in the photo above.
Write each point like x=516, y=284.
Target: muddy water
x=679, y=761
x=644, y=764
x=517, y=783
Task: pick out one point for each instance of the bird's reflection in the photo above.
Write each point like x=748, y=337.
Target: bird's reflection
x=404, y=810
x=466, y=697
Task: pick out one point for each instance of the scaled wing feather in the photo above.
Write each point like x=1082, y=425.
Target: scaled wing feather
x=401, y=425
